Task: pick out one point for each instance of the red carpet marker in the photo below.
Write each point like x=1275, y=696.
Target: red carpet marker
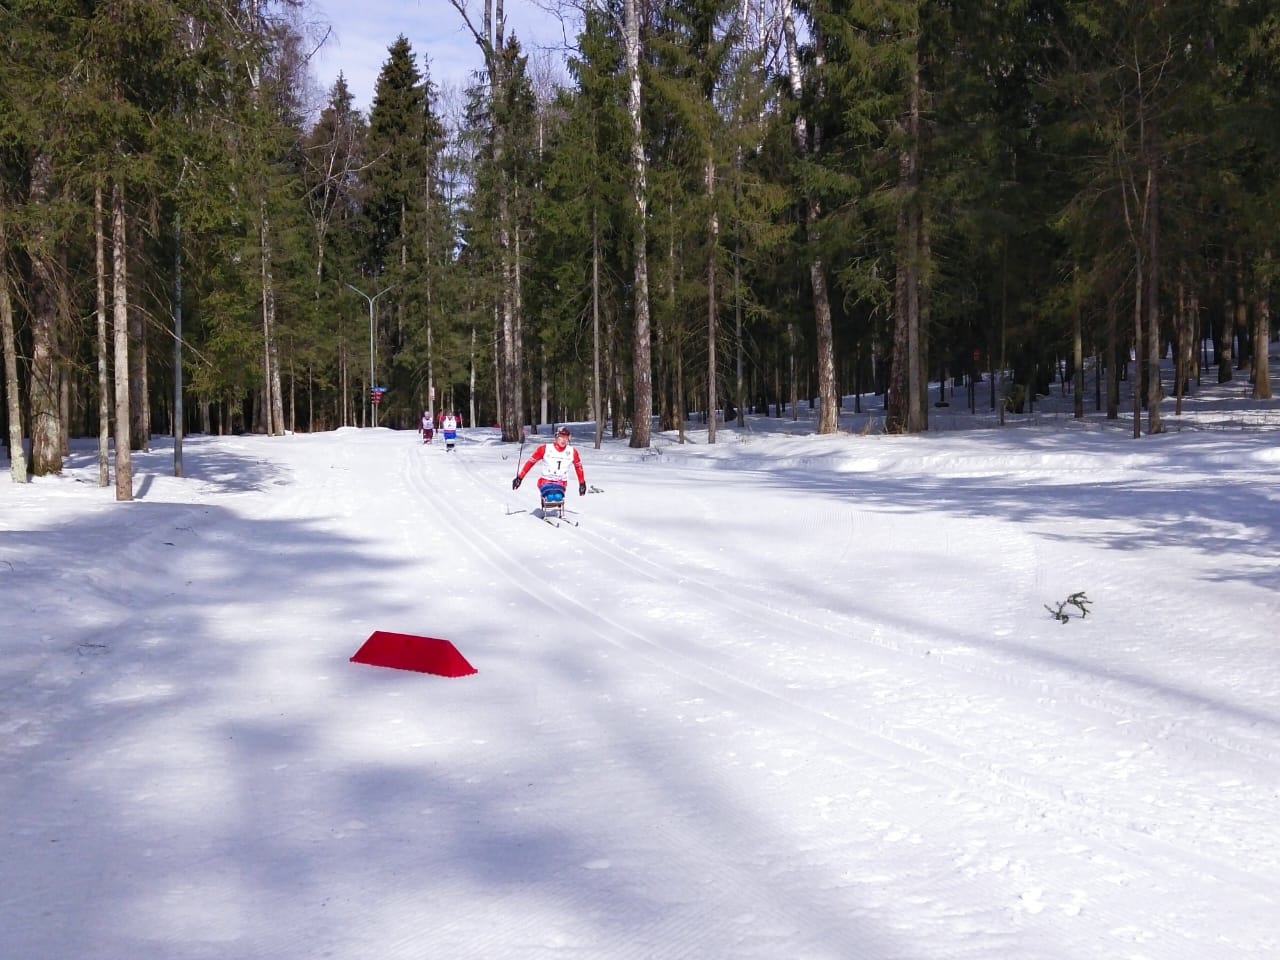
x=403, y=651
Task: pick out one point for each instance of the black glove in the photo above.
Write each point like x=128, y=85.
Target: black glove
x=515, y=484
x=582, y=489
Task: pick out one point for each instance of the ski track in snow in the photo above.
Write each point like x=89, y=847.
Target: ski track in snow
x=974, y=787
x=675, y=747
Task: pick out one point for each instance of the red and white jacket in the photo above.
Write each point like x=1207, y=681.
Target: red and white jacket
x=556, y=463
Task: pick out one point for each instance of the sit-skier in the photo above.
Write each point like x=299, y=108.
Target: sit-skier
x=450, y=428
x=557, y=459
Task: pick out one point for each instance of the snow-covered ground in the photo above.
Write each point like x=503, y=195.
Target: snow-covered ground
x=781, y=697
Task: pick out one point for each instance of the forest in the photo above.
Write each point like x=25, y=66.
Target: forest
x=711, y=208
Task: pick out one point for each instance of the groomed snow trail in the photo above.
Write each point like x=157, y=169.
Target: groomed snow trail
x=804, y=705
x=962, y=765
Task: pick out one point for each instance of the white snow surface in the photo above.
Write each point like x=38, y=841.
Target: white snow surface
x=783, y=697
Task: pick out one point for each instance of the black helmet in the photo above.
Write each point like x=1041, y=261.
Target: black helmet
x=563, y=432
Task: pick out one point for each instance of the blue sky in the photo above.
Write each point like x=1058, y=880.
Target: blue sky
x=364, y=29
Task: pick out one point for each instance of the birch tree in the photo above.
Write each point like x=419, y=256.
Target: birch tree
x=490, y=38
x=8, y=344
x=642, y=369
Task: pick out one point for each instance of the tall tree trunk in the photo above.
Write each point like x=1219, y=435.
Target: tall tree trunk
x=596, y=410
x=178, y=415
x=8, y=343
x=1139, y=283
x=120, y=320
x=428, y=322
x=139, y=381
x=1077, y=349
x=1154, y=385
x=104, y=359
x=273, y=403
x=1181, y=364
x=1262, y=335
x=807, y=142
x=42, y=392
x=642, y=386
x=508, y=359
x=1241, y=323
x=544, y=389
x=1226, y=335
x=471, y=408
x=1113, y=355
x=739, y=379
x=713, y=240
x=517, y=310
x=909, y=379
x=670, y=411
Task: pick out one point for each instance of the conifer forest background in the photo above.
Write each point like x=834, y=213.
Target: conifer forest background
x=710, y=205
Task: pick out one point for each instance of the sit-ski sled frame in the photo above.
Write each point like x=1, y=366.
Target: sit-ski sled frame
x=553, y=508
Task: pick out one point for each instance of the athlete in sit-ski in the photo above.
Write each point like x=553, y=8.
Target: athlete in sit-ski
x=449, y=426
x=557, y=459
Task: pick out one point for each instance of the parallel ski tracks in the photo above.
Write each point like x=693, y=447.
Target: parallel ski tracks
x=1112, y=707
x=939, y=757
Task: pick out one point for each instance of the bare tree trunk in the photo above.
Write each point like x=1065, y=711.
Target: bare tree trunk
x=431, y=375
x=666, y=338
x=64, y=401
x=347, y=417
x=616, y=376
x=713, y=240
x=8, y=343
x=178, y=414
x=739, y=379
x=679, y=394
x=1077, y=352
x=42, y=388
x=139, y=387
x=120, y=320
x=273, y=404
x=1154, y=386
x=1138, y=285
x=1182, y=364
x=544, y=389
x=471, y=408
x=1241, y=325
x=1193, y=337
x=499, y=384
x=909, y=375
x=104, y=361
x=1226, y=334
x=1113, y=354
x=597, y=412
x=920, y=309
x=508, y=357
x=807, y=141
x=515, y=295
x=1262, y=336
x=793, y=375
x=643, y=365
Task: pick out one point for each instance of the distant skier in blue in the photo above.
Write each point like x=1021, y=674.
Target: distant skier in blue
x=449, y=426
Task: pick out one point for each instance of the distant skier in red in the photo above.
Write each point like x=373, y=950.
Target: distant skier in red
x=557, y=459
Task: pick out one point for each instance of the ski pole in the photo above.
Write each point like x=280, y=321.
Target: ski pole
x=519, y=460
x=520, y=455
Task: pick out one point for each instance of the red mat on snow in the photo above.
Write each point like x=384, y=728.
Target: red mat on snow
x=403, y=651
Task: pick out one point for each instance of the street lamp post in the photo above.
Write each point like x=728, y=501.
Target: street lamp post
x=373, y=408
